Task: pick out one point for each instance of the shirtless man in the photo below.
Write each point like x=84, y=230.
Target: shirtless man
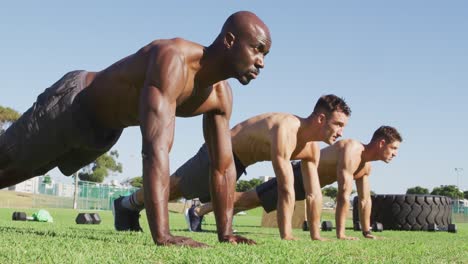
x=343, y=161
x=82, y=115
x=275, y=137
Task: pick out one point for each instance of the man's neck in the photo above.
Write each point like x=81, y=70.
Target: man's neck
x=212, y=67
x=369, y=153
x=308, y=131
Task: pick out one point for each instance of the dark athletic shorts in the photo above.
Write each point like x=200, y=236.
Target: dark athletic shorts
x=56, y=131
x=267, y=192
x=195, y=175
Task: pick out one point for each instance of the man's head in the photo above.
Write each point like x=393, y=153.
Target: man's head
x=387, y=140
x=246, y=40
x=331, y=113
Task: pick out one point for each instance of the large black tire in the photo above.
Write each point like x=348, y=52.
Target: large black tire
x=408, y=212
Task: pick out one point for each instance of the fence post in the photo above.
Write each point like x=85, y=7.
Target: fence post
x=75, y=195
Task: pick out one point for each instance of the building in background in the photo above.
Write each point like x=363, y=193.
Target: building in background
x=28, y=186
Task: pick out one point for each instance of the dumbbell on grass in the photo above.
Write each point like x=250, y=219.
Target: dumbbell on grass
x=452, y=228
x=327, y=226
x=377, y=227
x=88, y=218
x=21, y=216
x=357, y=226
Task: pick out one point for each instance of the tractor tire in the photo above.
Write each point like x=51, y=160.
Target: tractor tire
x=408, y=212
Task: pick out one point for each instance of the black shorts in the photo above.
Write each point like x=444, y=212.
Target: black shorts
x=195, y=175
x=56, y=131
x=267, y=192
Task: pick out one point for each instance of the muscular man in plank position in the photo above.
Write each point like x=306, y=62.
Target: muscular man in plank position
x=82, y=116
x=274, y=137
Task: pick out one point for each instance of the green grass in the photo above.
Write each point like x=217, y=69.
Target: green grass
x=65, y=242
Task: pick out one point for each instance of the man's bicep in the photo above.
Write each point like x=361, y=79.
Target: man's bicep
x=310, y=176
x=282, y=145
x=158, y=99
x=166, y=71
x=157, y=122
x=345, y=169
x=362, y=186
x=218, y=138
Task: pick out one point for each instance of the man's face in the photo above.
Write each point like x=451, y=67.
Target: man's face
x=389, y=151
x=333, y=126
x=248, y=54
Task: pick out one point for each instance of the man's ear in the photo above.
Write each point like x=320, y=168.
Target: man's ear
x=382, y=143
x=321, y=118
x=229, y=39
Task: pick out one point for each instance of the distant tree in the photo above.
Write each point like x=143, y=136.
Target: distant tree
x=451, y=191
x=372, y=192
x=136, y=182
x=7, y=116
x=417, y=190
x=466, y=194
x=98, y=170
x=331, y=192
x=243, y=186
x=47, y=179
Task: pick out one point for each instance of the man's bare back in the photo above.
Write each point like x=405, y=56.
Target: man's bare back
x=330, y=156
x=114, y=94
x=252, y=139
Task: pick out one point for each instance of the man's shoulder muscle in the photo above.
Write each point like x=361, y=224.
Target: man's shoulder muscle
x=351, y=147
x=221, y=100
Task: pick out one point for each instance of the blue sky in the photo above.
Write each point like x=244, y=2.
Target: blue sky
x=399, y=63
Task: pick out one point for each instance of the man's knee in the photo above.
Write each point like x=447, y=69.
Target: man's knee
x=247, y=200
x=174, y=187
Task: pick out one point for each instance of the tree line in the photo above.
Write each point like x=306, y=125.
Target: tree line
x=451, y=191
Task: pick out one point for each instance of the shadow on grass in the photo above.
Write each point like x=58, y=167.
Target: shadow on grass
x=246, y=233
x=71, y=233
x=237, y=225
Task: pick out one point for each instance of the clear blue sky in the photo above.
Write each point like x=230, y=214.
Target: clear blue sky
x=399, y=63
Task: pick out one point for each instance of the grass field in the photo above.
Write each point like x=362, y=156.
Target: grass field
x=65, y=242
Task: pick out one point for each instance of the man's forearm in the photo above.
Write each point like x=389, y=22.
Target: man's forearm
x=314, y=210
x=222, y=190
x=365, y=206
x=285, y=211
x=342, y=207
x=156, y=193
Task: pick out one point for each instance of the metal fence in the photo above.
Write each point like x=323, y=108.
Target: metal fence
x=96, y=196
x=459, y=213
x=100, y=197
x=90, y=195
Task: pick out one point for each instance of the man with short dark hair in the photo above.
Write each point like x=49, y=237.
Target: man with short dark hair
x=82, y=116
x=275, y=137
x=342, y=162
